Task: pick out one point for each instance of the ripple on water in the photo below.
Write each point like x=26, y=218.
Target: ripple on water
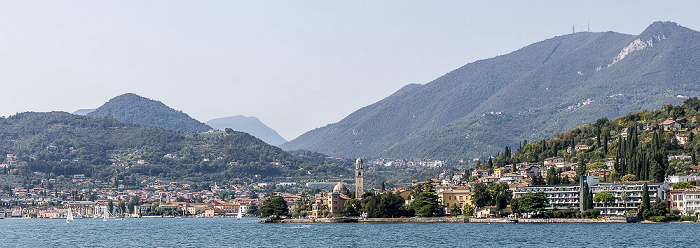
x=229, y=232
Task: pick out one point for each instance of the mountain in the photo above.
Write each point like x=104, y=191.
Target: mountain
x=536, y=91
x=83, y=111
x=66, y=144
x=131, y=108
x=251, y=125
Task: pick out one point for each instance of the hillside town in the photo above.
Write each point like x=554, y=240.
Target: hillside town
x=454, y=193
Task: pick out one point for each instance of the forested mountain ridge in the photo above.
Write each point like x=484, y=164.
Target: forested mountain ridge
x=251, y=125
x=534, y=92
x=66, y=144
x=131, y=108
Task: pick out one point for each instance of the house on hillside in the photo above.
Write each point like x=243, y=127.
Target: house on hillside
x=489, y=180
x=480, y=173
x=582, y=147
x=670, y=126
x=529, y=171
x=683, y=138
x=553, y=160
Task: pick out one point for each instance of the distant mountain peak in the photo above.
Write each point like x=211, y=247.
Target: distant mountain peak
x=135, y=109
x=251, y=125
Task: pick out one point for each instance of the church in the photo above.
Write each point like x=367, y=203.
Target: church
x=340, y=194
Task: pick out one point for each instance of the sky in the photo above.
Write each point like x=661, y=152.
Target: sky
x=296, y=65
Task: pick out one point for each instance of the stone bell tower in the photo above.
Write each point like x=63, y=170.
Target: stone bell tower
x=359, y=182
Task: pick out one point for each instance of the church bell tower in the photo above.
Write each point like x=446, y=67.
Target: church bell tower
x=359, y=182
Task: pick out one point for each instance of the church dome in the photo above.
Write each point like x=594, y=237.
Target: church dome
x=340, y=188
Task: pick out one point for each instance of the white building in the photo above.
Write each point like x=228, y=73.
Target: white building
x=564, y=196
x=691, y=202
x=676, y=179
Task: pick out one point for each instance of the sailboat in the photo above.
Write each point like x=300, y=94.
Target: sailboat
x=105, y=217
x=239, y=216
x=69, y=218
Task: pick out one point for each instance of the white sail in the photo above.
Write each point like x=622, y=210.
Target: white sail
x=69, y=218
x=106, y=215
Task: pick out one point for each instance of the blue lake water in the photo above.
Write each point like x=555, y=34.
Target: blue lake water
x=229, y=232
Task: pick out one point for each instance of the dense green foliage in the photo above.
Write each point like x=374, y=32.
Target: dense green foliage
x=605, y=198
x=425, y=201
x=529, y=203
x=638, y=145
x=533, y=92
x=481, y=197
x=274, y=205
x=385, y=205
x=59, y=143
x=131, y=108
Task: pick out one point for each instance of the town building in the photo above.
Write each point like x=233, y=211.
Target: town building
x=691, y=202
x=564, y=196
x=458, y=196
x=337, y=198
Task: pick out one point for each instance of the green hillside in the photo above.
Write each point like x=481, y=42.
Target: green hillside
x=66, y=144
x=131, y=108
x=639, y=143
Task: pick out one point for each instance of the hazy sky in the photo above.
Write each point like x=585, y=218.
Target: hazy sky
x=296, y=65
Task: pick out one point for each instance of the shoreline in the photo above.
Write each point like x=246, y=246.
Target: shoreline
x=439, y=220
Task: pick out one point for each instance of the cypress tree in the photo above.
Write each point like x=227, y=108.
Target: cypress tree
x=693, y=156
x=645, y=197
x=573, y=144
x=597, y=136
x=605, y=142
x=589, y=200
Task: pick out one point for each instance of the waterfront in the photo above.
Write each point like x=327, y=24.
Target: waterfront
x=229, y=232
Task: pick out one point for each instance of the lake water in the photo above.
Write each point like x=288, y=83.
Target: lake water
x=229, y=232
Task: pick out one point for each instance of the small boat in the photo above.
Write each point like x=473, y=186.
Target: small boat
x=69, y=218
x=105, y=216
x=239, y=216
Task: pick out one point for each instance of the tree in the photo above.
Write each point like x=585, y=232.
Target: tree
x=302, y=206
x=352, y=207
x=552, y=176
x=456, y=210
x=645, y=198
x=383, y=205
x=121, y=206
x=500, y=195
x=529, y=203
x=604, y=198
x=629, y=178
x=425, y=200
x=624, y=197
x=132, y=205
x=587, y=198
x=468, y=210
x=110, y=206
x=681, y=185
x=274, y=205
x=658, y=209
x=253, y=209
x=481, y=196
